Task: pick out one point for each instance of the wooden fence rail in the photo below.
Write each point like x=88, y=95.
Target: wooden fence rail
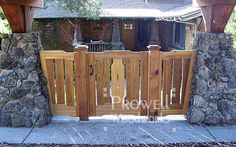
x=84, y=83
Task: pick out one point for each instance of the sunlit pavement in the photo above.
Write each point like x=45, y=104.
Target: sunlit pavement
x=118, y=130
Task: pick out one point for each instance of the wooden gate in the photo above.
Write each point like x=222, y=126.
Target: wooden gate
x=58, y=67
x=118, y=82
x=176, y=80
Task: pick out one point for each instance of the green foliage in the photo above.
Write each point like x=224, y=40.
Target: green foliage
x=231, y=27
x=4, y=26
x=84, y=8
x=52, y=43
x=1, y=14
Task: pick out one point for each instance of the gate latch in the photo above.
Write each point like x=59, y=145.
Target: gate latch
x=91, y=70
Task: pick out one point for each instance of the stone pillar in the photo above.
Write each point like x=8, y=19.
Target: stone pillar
x=23, y=90
x=213, y=95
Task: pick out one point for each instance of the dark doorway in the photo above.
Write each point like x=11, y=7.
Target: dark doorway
x=128, y=33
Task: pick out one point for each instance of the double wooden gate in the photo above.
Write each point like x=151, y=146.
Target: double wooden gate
x=118, y=82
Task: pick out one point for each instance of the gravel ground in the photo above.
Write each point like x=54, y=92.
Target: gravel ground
x=214, y=144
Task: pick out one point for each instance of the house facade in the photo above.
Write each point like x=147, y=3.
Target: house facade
x=134, y=23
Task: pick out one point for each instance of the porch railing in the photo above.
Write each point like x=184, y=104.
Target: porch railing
x=98, y=46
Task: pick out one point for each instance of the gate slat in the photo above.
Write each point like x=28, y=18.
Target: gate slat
x=128, y=79
x=45, y=72
x=51, y=77
x=188, y=87
x=135, y=77
x=107, y=80
x=144, y=83
x=69, y=82
x=99, y=69
x=117, y=70
x=76, y=64
x=60, y=81
x=177, y=80
x=167, y=82
x=103, y=81
x=186, y=65
x=132, y=76
x=91, y=86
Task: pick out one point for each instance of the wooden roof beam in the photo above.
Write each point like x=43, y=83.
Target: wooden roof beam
x=20, y=13
x=31, y=3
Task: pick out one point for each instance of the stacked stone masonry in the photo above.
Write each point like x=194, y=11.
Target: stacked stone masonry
x=23, y=90
x=213, y=94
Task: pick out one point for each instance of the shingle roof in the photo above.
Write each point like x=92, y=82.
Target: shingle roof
x=129, y=9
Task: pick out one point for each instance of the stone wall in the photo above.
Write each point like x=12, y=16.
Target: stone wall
x=213, y=95
x=23, y=91
x=0, y=60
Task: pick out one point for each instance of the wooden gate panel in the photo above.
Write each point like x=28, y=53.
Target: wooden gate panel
x=177, y=75
x=132, y=79
x=117, y=74
x=99, y=79
x=103, y=81
x=91, y=85
x=144, y=83
x=181, y=76
x=107, y=80
x=60, y=81
x=58, y=69
x=69, y=77
x=186, y=66
x=118, y=80
x=167, y=84
x=51, y=76
x=189, y=82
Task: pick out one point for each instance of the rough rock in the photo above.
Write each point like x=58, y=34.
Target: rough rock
x=23, y=96
x=213, y=93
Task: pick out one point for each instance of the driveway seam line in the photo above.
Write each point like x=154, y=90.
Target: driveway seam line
x=213, y=136
x=27, y=136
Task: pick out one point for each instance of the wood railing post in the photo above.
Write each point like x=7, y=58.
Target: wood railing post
x=155, y=73
x=81, y=81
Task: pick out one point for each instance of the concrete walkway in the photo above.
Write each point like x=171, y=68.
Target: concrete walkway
x=114, y=130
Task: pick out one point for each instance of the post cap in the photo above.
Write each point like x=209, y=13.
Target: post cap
x=153, y=47
x=81, y=47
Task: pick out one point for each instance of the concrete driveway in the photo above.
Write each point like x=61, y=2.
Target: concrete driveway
x=118, y=130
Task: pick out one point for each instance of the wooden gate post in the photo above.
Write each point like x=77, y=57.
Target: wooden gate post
x=81, y=81
x=155, y=73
